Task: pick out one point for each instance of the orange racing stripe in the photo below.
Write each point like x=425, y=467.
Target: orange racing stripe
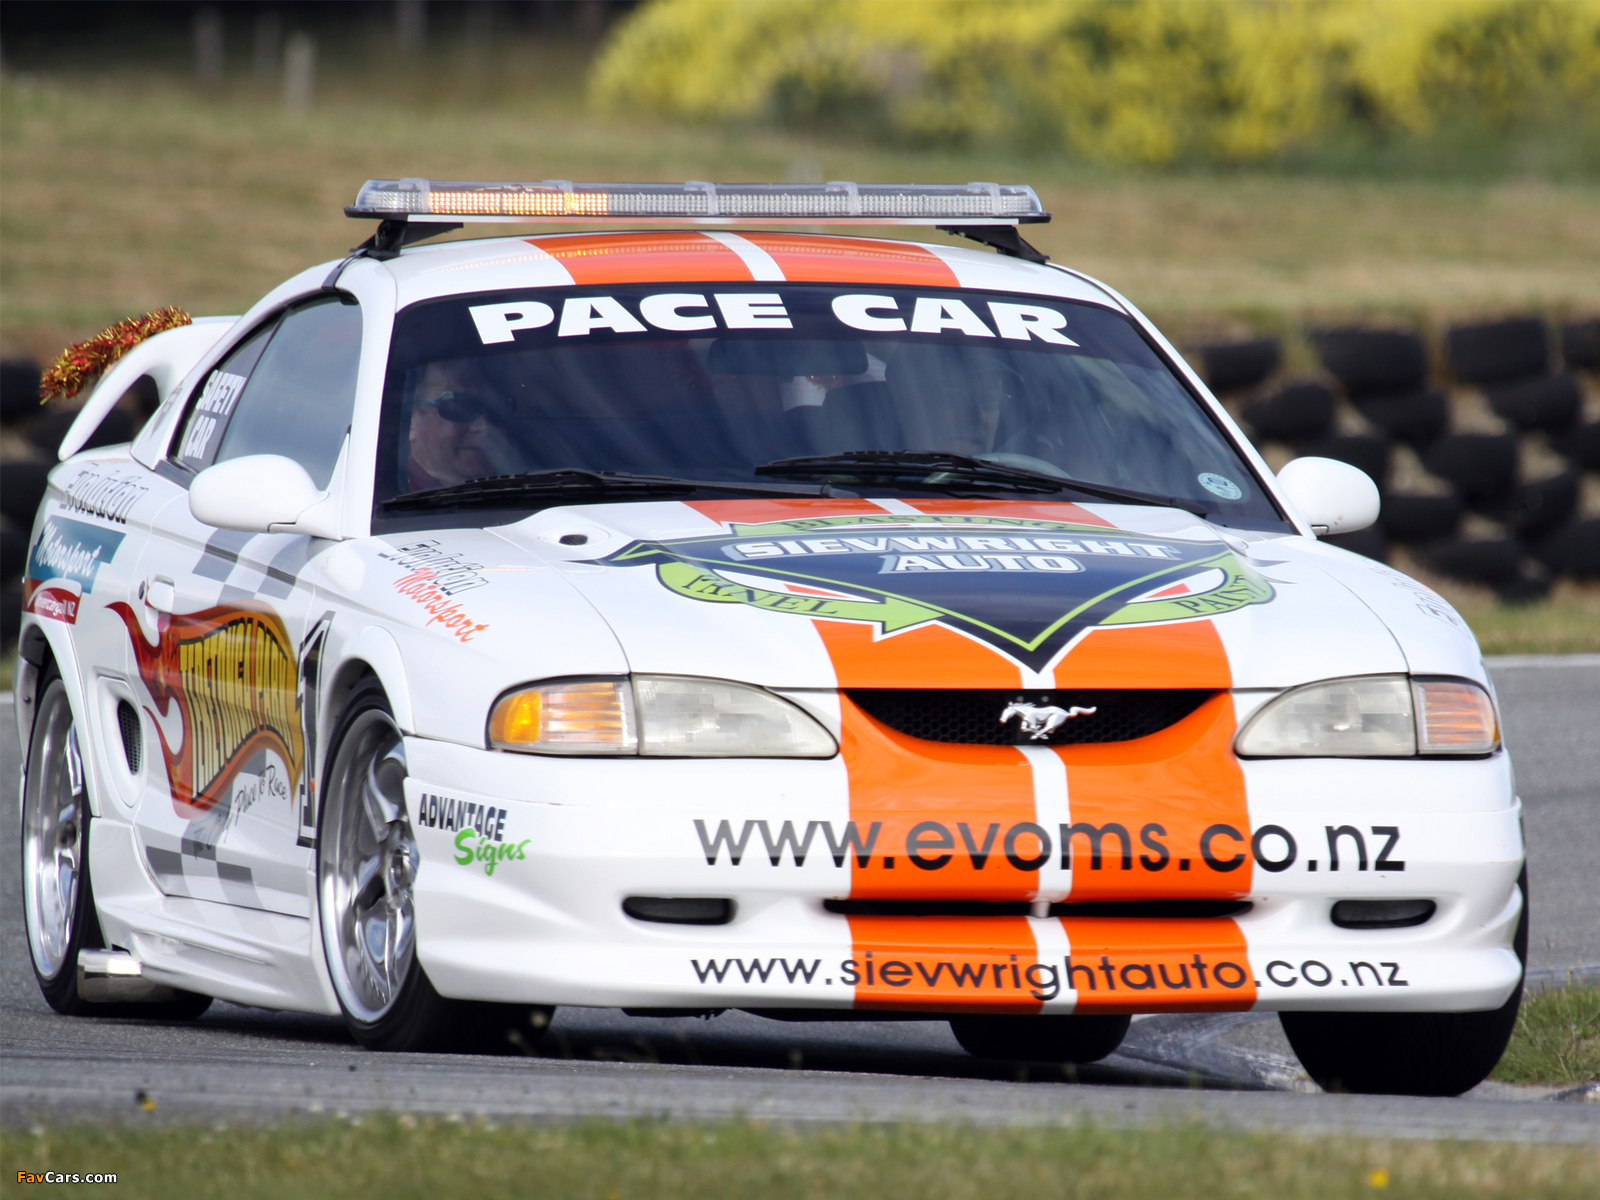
x=1142, y=966
x=1168, y=810
x=606, y=258
x=807, y=258
x=939, y=811
x=1178, y=654
x=947, y=964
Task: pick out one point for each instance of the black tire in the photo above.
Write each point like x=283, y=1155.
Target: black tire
x=19, y=389
x=1415, y=519
x=1481, y=465
x=1408, y=1054
x=22, y=486
x=1550, y=402
x=10, y=613
x=1416, y=418
x=412, y=1016
x=1295, y=413
x=1580, y=345
x=1499, y=350
x=1234, y=366
x=51, y=426
x=1369, y=543
x=1522, y=589
x=1064, y=1039
x=1581, y=447
x=1369, y=361
x=1487, y=561
x=1573, y=550
x=13, y=553
x=1537, y=508
x=59, y=983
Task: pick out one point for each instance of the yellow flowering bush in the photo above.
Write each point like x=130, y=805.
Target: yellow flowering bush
x=1131, y=81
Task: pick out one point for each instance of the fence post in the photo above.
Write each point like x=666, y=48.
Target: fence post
x=299, y=72
x=268, y=44
x=208, y=47
x=410, y=25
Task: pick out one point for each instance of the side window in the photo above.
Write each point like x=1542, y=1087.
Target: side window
x=209, y=414
x=298, y=400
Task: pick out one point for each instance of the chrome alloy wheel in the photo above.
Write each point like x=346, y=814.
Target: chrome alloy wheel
x=54, y=809
x=366, y=868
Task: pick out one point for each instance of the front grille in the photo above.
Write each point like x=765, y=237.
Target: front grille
x=1148, y=909
x=973, y=717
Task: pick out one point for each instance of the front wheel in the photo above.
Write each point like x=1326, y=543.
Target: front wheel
x=367, y=862
x=1060, y=1039
x=1408, y=1054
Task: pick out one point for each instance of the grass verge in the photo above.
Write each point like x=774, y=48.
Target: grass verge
x=1557, y=1039
x=127, y=189
x=406, y=1157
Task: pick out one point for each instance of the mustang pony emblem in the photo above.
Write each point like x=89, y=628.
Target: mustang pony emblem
x=1039, y=722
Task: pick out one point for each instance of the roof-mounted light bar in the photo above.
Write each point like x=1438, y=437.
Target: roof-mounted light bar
x=557, y=200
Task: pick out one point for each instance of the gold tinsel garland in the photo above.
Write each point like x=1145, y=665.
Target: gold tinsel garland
x=82, y=361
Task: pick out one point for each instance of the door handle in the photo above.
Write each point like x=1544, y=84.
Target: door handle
x=160, y=593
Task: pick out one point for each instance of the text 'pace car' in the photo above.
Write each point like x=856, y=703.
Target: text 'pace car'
x=689, y=620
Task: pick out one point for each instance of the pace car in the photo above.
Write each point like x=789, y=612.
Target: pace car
x=679, y=619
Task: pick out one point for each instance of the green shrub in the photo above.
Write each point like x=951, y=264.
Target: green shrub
x=1123, y=81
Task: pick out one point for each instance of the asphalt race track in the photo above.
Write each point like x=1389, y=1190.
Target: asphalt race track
x=1235, y=1069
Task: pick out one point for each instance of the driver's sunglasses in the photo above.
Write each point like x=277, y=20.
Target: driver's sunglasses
x=462, y=408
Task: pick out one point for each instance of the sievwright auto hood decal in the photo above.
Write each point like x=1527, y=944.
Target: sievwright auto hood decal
x=1024, y=586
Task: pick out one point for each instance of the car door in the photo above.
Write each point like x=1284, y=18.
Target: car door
x=225, y=628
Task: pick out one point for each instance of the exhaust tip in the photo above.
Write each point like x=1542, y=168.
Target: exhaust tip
x=117, y=977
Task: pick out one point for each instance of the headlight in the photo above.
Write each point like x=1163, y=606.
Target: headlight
x=660, y=715
x=1379, y=716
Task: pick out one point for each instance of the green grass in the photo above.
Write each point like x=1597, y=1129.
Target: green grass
x=1567, y=623
x=127, y=188
x=1557, y=1039
x=399, y=1158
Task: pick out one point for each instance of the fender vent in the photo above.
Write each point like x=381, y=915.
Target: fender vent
x=132, y=735
x=1149, y=909
x=973, y=717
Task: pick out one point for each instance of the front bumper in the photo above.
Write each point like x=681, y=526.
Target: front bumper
x=523, y=876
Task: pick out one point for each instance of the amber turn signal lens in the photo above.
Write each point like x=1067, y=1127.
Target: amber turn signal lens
x=1454, y=717
x=575, y=716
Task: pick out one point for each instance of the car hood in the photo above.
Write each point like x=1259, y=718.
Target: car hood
x=956, y=593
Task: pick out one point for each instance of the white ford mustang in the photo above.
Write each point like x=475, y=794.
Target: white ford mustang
x=682, y=621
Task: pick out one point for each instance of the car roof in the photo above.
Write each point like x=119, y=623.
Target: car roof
x=692, y=256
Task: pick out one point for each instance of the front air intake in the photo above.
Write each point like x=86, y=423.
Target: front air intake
x=1147, y=909
x=1382, y=914
x=679, y=910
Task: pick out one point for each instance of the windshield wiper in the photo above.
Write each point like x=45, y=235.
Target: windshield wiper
x=506, y=490
x=964, y=472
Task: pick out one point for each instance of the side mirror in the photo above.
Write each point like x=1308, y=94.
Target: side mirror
x=1332, y=496
x=259, y=493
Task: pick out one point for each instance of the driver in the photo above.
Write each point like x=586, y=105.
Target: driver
x=456, y=427
x=979, y=398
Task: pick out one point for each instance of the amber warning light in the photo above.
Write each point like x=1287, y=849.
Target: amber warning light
x=430, y=200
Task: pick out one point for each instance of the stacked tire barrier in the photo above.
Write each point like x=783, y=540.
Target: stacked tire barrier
x=1497, y=430
x=29, y=435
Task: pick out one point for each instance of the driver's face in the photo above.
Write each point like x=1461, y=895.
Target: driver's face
x=449, y=451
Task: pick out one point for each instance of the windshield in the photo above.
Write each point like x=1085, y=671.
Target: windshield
x=711, y=381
